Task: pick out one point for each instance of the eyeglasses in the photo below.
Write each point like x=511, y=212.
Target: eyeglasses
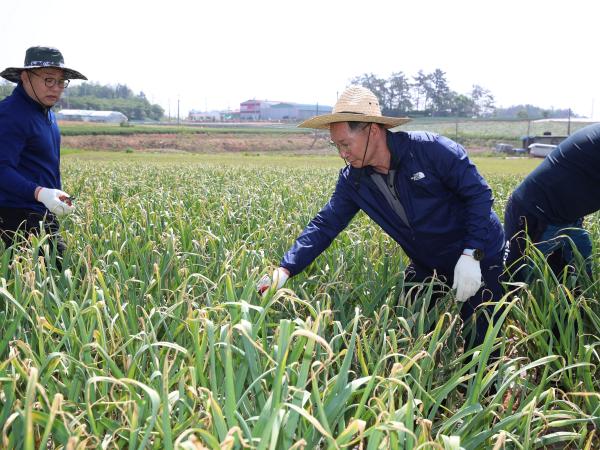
x=51, y=82
x=339, y=147
x=346, y=147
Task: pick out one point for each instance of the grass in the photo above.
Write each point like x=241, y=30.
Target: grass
x=154, y=337
x=489, y=166
x=462, y=130
x=81, y=129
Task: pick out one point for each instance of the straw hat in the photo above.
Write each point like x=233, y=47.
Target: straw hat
x=356, y=104
x=37, y=57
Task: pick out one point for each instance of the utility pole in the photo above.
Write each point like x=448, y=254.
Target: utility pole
x=569, y=124
x=66, y=97
x=316, y=135
x=456, y=127
x=177, y=110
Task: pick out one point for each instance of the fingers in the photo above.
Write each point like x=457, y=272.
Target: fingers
x=460, y=294
x=263, y=284
x=64, y=197
x=280, y=276
x=466, y=290
x=62, y=209
x=278, y=279
x=66, y=200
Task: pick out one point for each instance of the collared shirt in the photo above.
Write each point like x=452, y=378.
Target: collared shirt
x=447, y=203
x=29, y=150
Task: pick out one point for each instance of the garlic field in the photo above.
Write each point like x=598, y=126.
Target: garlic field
x=153, y=336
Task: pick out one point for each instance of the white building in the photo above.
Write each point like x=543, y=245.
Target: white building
x=84, y=115
x=204, y=116
x=280, y=111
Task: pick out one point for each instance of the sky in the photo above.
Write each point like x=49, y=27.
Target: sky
x=212, y=55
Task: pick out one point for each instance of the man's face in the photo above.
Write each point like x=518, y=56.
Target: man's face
x=36, y=84
x=351, y=144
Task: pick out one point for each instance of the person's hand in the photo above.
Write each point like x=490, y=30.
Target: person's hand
x=57, y=201
x=278, y=279
x=467, y=277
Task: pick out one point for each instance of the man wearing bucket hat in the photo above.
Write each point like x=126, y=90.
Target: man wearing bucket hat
x=30, y=181
x=423, y=191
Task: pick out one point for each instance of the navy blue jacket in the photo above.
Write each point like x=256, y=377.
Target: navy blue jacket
x=566, y=185
x=29, y=151
x=448, y=205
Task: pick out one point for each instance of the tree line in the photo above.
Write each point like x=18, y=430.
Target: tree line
x=429, y=95
x=94, y=96
x=422, y=95
x=114, y=98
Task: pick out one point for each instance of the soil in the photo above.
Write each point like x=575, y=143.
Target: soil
x=204, y=143
x=210, y=143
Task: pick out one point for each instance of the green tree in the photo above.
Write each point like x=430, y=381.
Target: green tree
x=440, y=93
x=399, y=94
x=377, y=85
x=6, y=88
x=122, y=91
x=421, y=90
x=483, y=101
x=522, y=114
x=462, y=105
x=93, y=96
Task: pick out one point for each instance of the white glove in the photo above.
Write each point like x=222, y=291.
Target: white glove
x=280, y=276
x=57, y=201
x=467, y=277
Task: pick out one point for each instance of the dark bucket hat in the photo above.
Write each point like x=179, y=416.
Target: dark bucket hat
x=37, y=57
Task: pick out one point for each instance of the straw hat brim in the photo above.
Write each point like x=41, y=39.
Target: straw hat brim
x=14, y=73
x=323, y=121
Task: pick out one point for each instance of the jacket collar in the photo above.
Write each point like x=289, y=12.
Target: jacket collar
x=20, y=91
x=397, y=143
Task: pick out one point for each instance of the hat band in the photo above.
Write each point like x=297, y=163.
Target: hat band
x=354, y=112
x=373, y=114
x=45, y=64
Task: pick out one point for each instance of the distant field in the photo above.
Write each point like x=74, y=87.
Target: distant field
x=510, y=131
x=461, y=130
x=86, y=128
x=487, y=165
x=505, y=128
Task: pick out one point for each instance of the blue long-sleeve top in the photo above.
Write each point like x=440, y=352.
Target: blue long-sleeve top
x=447, y=203
x=566, y=185
x=29, y=150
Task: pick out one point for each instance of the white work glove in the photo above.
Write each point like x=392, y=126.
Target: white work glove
x=280, y=276
x=57, y=201
x=467, y=277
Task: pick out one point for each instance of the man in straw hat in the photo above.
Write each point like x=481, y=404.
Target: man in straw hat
x=30, y=182
x=421, y=188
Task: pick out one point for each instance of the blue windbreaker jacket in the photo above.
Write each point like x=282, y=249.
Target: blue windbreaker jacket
x=448, y=205
x=29, y=151
x=566, y=185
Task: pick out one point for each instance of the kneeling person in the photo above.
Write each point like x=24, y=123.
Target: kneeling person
x=549, y=205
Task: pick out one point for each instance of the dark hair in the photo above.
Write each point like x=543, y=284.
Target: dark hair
x=355, y=126
x=358, y=125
